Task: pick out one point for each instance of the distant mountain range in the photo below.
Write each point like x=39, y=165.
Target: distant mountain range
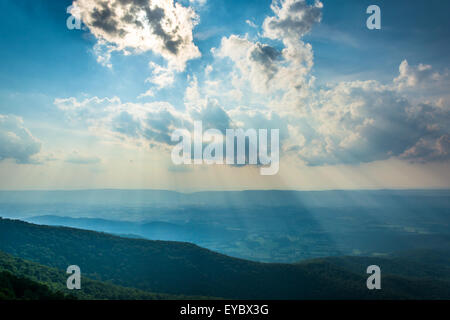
x=157, y=230
x=246, y=199
x=265, y=226
x=176, y=268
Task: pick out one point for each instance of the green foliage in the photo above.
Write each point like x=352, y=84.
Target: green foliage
x=15, y=288
x=55, y=280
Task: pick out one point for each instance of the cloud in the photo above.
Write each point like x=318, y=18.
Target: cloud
x=136, y=123
x=200, y=107
x=16, y=141
x=251, y=23
x=160, y=123
x=126, y=124
x=161, y=77
x=347, y=123
x=365, y=121
x=293, y=19
x=426, y=150
x=267, y=68
x=148, y=93
x=135, y=26
x=152, y=124
x=260, y=118
x=270, y=85
x=255, y=62
x=212, y=115
x=416, y=76
x=264, y=67
x=208, y=69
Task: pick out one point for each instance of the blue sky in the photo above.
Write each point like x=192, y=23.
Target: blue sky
x=339, y=66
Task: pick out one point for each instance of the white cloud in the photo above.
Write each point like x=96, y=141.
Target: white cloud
x=16, y=141
x=365, y=121
x=161, y=77
x=349, y=122
x=293, y=19
x=416, y=76
x=265, y=68
x=255, y=61
x=148, y=93
x=251, y=23
x=135, y=26
x=208, y=69
x=132, y=123
x=201, y=107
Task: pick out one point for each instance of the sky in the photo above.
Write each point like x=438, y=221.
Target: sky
x=95, y=107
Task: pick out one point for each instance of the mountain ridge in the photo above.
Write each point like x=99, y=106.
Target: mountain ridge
x=186, y=269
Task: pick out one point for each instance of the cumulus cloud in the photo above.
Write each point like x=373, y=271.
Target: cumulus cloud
x=200, y=107
x=364, y=121
x=152, y=124
x=161, y=77
x=414, y=76
x=135, y=26
x=426, y=150
x=261, y=118
x=256, y=62
x=160, y=123
x=212, y=115
x=16, y=141
x=345, y=123
x=267, y=68
x=264, y=67
x=350, y=122
x=134, y=122
x=293, y=19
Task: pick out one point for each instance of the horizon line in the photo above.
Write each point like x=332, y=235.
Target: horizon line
x=224, y=190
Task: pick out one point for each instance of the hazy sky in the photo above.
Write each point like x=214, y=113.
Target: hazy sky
x=95, y=107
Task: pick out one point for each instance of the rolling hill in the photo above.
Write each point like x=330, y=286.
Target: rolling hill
x=186, y=269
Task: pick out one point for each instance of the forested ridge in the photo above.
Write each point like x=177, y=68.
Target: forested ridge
x=175, y=268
